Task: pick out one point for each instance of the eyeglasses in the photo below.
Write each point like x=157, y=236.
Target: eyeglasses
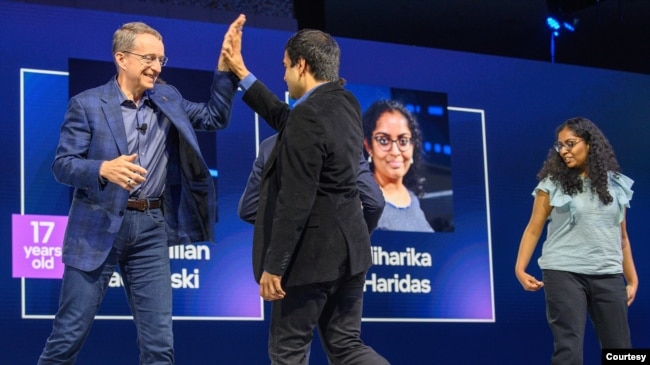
x=148, y=59
x=568, y=145
x=385, y=144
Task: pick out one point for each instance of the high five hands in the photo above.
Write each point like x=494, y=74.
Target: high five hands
x=231, y=50
x=226, y=47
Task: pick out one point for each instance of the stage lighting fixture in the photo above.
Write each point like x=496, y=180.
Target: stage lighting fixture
x=553, y=23
x=557, y=24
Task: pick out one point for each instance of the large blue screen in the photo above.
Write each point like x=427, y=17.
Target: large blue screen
x=500, y=113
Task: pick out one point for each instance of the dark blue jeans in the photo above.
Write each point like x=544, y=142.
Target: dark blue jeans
x=335, y=308
x=142, y=254
x=570, y=297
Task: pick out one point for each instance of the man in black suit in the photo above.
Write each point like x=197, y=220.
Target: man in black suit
x=372, y=199
x=311, y=246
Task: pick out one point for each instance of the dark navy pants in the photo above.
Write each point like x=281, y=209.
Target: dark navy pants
x=335, y=308
x=142, y=254
x=570, y=297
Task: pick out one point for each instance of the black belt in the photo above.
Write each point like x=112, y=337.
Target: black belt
x=143, y=204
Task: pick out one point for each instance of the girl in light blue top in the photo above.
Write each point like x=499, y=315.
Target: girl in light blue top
x=586, y=260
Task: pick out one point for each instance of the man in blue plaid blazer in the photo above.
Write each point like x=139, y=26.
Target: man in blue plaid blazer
x=130, y=151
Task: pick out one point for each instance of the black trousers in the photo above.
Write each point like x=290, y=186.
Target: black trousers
x=335, y=308
x=570, y=297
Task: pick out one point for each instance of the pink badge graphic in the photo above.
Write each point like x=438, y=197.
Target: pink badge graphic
x=37, y=246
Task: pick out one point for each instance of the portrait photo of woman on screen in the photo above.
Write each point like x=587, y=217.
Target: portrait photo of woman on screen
x=393, y=144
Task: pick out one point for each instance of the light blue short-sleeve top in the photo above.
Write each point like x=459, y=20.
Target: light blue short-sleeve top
x=583, y=234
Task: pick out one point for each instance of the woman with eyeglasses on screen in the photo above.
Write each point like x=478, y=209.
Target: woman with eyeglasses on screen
x=393, y=143
x=586, y=261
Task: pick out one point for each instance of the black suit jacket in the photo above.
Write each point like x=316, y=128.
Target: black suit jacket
x=310, y=226
x=372, y=199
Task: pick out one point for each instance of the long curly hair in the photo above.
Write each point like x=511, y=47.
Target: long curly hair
x=600, y=160
x=412, y=180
